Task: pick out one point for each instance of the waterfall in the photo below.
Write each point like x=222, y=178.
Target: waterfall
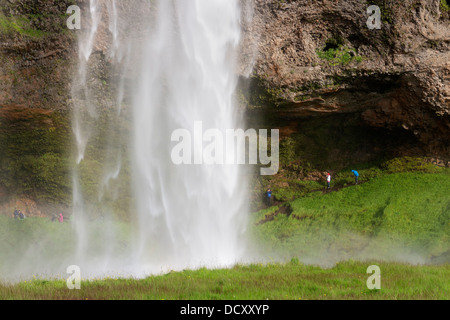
x=173, y=63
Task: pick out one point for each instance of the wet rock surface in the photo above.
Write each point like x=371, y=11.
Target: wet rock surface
x=319, y=57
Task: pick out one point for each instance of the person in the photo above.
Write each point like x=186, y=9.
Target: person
x=356, y=175
x=61, y=218
x=21, y=215
x=328, y=180
x=269, y=197
x=54, y=218
x=16, y=214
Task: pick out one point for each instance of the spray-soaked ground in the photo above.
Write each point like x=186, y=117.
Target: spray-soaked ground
x=38, y=248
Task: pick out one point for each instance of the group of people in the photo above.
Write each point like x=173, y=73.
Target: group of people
x=268, y=194
x=18, y=214
x=60, y=217
x=355, y=173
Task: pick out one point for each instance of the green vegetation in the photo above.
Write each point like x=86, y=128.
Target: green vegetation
x=34, y=158
x=99, y=191
x=260, y=95
x=335, y=144
x=394, y=216
x=20, y=25
x=339, y=56
x=337, y=53
x=291, y=281
x=444, y=6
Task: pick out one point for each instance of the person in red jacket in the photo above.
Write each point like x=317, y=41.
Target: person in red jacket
x=328, y=180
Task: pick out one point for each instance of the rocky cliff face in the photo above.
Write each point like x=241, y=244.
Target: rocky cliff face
x=320, y=57
x=310, y=57
x=37, y=57
x=299, y=58
x=36, y=53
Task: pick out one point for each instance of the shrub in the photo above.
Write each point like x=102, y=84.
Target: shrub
x=408, y=164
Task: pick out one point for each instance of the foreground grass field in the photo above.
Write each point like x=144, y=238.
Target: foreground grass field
x=291, y=281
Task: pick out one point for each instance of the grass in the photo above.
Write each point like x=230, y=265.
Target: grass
x=290, y=281
x=399, y=216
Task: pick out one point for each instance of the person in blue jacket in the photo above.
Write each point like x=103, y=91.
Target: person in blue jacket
x=269, y=197
x=356, y=175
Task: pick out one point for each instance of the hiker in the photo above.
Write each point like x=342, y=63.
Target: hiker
x=328, y=180
x=356, y=175
x=21, y=215
x=61, y=218
x=54, y=217
x=269, y=197
x=16, y=214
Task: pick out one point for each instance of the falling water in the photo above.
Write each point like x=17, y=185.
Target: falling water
x=177, y=67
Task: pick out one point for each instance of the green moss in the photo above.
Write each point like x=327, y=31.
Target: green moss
x=261, y=94
x=20, y=25
x=34, y=158
x=339, y=56
x=287, y=150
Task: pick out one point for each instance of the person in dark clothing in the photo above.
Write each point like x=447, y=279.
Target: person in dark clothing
x=269, y=197
x=21, y=215
x=16, y=214
x=356, y=174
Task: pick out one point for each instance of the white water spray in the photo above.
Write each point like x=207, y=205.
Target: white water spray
x=181, y=69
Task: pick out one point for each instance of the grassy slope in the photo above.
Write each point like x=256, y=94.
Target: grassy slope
x=400, y=216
